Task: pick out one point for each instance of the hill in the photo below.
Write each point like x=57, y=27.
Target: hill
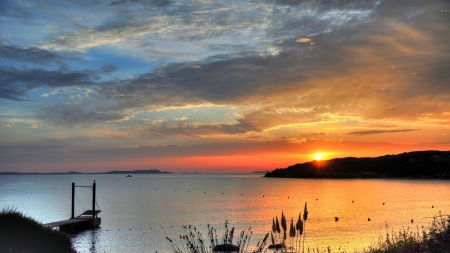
x=75, y=172
x=418, y=164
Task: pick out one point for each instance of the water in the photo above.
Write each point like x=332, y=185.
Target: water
x=140, y=211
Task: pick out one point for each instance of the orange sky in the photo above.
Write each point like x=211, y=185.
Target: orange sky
x=237, y=87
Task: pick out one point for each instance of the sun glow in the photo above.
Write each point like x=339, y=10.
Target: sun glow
x=318, y=157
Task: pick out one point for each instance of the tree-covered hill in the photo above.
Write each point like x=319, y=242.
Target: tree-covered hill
x=418, y=164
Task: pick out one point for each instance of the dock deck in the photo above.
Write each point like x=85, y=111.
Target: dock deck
x=87, y=220
x=76, y=224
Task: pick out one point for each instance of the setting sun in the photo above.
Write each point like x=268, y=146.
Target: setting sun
x=318, y=157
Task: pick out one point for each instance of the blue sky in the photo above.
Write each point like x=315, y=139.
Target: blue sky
x=148, y=84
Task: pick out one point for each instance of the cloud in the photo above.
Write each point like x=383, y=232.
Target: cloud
x=302, y=40
x=345, y=69
x=13, y=10
x=190, y=23
x=15, y=83
x=325, y=5
x=36, y=55
x=182, y=118
x=348, y=72
x=195, y=130
x=159, y=3
x=368, y=132
x=81, y=114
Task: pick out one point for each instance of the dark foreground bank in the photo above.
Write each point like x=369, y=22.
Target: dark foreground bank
x=19, y=233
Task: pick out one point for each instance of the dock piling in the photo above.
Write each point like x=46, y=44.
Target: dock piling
x=84, y=220
x=73, y=200
x=93, y=199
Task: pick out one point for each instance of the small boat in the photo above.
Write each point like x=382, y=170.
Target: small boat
x=129, y=175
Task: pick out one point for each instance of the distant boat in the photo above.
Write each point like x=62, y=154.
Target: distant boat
x=129, y=175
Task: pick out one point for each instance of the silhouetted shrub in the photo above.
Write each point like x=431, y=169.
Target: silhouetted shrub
x=19, y=233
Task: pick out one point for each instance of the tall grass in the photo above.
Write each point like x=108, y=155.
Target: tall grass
x=434, y=239
x=284, y=238
x=296, y=231
x=19, y=233
x=194, y=242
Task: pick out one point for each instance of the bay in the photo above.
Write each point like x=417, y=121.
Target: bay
x=139, y=212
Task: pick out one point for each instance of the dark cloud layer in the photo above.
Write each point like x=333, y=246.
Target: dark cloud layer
x=15, y=11
x=379, y=61
x=159, y=3
x=15, y=83
x=35, y=55
x=368, y=132
x=393, y=61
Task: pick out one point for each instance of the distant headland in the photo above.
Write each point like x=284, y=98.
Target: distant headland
x=414, y=165
x=260, y=171
x=76, y=172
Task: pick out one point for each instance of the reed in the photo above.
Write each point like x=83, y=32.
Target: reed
x=434, y=239
x=296, y=233
x=193, y=242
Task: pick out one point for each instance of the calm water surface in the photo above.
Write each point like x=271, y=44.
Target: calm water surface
x=139, y=212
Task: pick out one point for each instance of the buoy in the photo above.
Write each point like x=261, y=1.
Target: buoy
x=368, y=219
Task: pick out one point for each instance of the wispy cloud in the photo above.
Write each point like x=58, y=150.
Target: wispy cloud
x=36, y=56
x=368, y=132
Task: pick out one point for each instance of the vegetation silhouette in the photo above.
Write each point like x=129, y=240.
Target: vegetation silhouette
x=19, y=233
x=419, y=164
x=193, y=242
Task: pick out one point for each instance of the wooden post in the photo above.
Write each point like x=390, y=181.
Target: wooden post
x=73, y=200
x=93, y=200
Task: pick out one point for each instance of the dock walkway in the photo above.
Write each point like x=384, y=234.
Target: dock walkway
x=88, y=219
x=84, y=221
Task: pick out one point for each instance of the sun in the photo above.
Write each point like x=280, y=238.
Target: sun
x=319, y=157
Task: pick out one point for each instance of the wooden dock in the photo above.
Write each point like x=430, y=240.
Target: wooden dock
x=76, y=224
x=87, y=220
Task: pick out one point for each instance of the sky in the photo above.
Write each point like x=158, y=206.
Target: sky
x=219, y=86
